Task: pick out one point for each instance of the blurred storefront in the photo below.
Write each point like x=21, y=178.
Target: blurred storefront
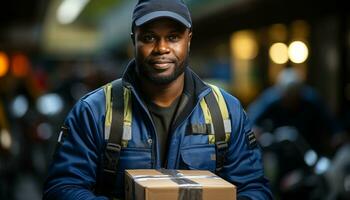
x=263, y=37
x=50, y=56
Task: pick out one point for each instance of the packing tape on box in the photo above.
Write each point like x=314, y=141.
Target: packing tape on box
x=140, y=178
x=188, y=189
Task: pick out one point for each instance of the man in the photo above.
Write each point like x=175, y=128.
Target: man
x=166, y=99
x=299, y=121
x=290, y=102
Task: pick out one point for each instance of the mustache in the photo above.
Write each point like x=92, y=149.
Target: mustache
x=160, y=59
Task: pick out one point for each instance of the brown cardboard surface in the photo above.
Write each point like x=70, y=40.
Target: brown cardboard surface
x=186, y=185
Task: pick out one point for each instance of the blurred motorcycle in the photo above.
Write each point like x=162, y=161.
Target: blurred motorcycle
x=295, y=170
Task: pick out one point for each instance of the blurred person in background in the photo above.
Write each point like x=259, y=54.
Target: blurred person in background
x=163, y=98
x=291, y=102
x=295, y=116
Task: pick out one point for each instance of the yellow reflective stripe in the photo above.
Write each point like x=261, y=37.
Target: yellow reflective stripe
x=221, y=101
x=211, y=139
x=108, y=104
x=206, y=112
x=124, y=143
x=127, y=105
x=208, y=119
x=107, y=89
x=127, y=118
x=227, y=138
x=224, y=112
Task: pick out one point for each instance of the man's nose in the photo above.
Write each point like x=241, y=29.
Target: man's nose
x=162, y=47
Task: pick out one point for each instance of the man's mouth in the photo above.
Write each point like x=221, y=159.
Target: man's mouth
x=161, y=64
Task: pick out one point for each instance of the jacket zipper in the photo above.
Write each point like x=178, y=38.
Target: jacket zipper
x=154, y=142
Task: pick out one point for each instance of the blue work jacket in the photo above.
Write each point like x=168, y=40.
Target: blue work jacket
x=76, y=163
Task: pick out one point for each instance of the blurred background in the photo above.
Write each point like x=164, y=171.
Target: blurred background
x=288, y=61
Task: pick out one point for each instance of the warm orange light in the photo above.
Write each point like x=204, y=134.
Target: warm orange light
x=4, y=64
x=279, y=53
x=20, y=65
x=244, y=45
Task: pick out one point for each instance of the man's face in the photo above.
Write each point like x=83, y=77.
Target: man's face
x=161, y=50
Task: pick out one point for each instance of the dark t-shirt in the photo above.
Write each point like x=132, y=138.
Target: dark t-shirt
x=163, y=118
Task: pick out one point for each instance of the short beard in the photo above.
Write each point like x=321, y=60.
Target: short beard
x=179, y=69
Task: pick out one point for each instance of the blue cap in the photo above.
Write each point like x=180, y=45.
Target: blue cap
x=148, y=10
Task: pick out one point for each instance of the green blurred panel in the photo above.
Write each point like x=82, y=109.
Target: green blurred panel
x=97, y=9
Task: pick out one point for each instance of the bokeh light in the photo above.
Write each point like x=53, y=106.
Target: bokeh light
x=20, y=65
x=278, y=53
x=20, y=106
x=244, y=45
x=4, y=64
x=5, y=139
x=69, y=10
x=50, y=104
x=298, y=52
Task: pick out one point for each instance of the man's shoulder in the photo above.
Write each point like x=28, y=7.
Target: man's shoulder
x=91, y=104
x=95, y=96
x=93, y=101
x=233, y=104
x=229, y=97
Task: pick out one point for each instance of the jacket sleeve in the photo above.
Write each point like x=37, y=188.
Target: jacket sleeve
x=244, y=166
x=72, y=173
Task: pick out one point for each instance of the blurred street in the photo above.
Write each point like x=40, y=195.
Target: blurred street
x=287, y=61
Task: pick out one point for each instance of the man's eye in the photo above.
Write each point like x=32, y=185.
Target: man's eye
x=173, y=38
x=148, y=38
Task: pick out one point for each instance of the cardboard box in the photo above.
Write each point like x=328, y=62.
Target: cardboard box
x=176, y=185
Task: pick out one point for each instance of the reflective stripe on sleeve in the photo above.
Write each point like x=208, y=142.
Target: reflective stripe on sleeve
x=208, y=120
x=108, y=118
x=127, y=132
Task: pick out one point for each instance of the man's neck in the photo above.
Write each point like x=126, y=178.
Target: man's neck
x=163, y=95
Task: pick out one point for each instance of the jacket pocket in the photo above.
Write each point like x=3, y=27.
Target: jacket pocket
x=135, y=158
x=199, y=157
x=131, y=158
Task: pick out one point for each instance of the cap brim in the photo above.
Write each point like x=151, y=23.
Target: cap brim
x=159, y=14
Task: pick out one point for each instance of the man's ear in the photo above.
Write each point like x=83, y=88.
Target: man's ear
x=132, y=35
x=190, y=38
